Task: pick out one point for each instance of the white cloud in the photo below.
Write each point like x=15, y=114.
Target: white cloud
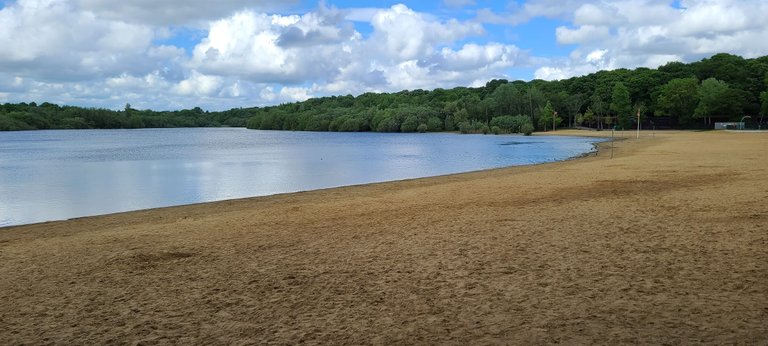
x=175, y=12
x=521, y=13
x=578, y=65
x=96, y=53
x=50, y=40
x=403, y=34
x=634, y=33
x=274, y=48
x=406, y=50
x=198, y=84
x=234, y=53
x=473, y=56
x=594, y=14
x=584, y=33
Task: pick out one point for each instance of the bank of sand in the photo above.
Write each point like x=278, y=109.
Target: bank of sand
x=665, y=243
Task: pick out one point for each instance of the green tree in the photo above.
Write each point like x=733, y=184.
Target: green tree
x=549, y=118
x=764, y=106
x=589, y=116
x=764, y=101
x=573, y=105
x=621, y=105
x=679, y=98
x=488, y=105
x=534, y=99
x=410, y=124
x=712, y=94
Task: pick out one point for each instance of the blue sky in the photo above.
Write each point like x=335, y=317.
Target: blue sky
x=172, y=54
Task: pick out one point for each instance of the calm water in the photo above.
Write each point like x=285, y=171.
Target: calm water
x=53, y=175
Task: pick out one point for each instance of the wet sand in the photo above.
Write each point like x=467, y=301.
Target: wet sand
x=666, y=243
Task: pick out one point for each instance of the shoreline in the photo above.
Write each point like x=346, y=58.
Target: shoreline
x=592, y=151
x=664, y=243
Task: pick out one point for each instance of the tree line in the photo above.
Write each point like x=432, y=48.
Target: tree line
x=723, y=87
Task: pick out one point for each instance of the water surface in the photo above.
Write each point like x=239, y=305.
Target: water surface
x=53, y=175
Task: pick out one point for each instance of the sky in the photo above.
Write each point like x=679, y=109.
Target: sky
x=218, y=55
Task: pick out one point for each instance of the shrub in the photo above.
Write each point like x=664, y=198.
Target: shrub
x=526, y=129
x=465, y=127
x=422, y=128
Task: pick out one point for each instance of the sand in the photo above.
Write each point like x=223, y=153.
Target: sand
x=666, y=243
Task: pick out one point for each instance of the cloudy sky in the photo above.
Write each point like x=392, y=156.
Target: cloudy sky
x=173, y=54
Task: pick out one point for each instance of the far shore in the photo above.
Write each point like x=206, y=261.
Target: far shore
x=665, y=243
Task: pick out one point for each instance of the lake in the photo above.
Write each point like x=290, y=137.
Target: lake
x=54, y=175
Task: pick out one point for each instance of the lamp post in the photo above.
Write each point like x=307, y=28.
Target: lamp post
x=741, y=125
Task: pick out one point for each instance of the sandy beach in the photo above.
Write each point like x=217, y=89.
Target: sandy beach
x=666, y=243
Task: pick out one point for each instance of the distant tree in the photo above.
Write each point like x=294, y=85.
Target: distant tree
x=679, y=98
x=764, y=106
x=764, y=101
x=589, y=116
x=434, y=124
x=410, y=124
x=549, y=117
x=488, y=105
x=573, y=105
x=599, y=110
x=507, y=97
x=712, y=94
x=534, y=100
x=621, y=105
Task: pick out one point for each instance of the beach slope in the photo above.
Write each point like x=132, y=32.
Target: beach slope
x=667, y=242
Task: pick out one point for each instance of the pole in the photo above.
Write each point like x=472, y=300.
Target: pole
x=554, y=116
x=612, y=129
x=638, y=124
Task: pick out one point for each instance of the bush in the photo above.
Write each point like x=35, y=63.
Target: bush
x=526, y=129
x=465, y=127
x=495, y=130
x=422, y=128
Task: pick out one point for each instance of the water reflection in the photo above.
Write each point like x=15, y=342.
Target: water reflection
x=51, y=175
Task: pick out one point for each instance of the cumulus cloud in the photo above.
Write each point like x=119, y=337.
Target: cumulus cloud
x=51, y=40
x=405, y=50
x=520, y=13
x=275, y=48
x=105, y=54
x=649, y=33
x=584, y=33
x=174, y=12
x=403, y=34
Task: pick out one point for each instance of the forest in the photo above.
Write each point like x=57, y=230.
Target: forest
x=721, y=88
